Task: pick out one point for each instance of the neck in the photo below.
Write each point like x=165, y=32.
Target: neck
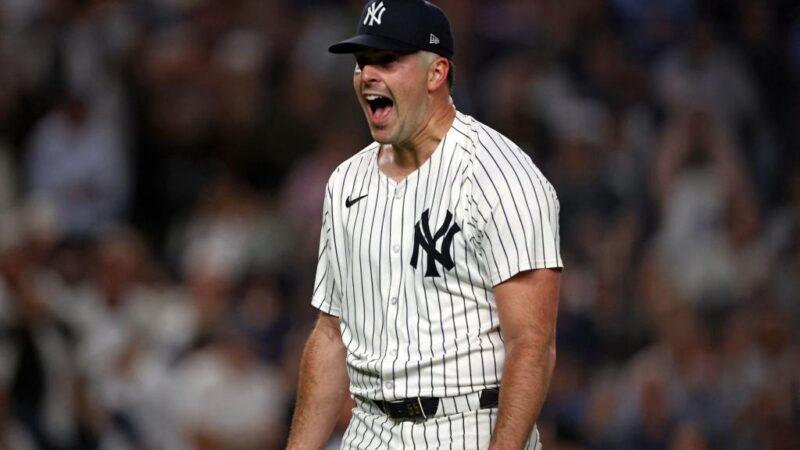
x=400, y=159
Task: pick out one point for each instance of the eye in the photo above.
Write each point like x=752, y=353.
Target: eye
x=387, y=59
x=381, y=60
x=361, y=61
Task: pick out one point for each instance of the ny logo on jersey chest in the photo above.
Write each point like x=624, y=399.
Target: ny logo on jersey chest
x=427, y=242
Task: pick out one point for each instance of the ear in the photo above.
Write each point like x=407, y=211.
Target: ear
x=437, y=73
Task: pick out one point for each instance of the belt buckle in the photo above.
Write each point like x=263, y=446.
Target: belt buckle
x=415, y=409
x=408, y=409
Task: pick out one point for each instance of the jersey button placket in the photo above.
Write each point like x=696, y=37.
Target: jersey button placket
x=395, y=283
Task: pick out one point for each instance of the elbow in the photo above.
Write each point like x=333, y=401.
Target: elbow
x=537, y=347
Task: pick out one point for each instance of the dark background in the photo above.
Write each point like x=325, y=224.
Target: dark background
x=162, y=164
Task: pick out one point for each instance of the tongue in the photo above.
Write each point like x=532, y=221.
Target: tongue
x=381, y=113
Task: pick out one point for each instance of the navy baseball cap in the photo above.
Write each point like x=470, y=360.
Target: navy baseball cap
x=400, y=25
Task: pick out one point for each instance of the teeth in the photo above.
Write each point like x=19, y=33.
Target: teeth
x=372, y=97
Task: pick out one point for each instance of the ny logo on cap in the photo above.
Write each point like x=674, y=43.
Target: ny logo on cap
x=374, y=14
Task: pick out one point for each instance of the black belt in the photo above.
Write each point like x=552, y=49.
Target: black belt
x=423, y=407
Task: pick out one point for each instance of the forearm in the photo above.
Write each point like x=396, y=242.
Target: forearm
x=323, y=387
x=528, y=308
x=526, y=379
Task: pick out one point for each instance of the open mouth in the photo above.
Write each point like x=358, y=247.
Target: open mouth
x=379, y=106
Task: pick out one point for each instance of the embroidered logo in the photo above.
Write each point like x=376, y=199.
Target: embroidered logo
x=348, y=202
x=434, y=39
x=374, y=14
x=423, y=239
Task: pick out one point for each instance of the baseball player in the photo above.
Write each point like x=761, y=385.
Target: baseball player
x=439, y=264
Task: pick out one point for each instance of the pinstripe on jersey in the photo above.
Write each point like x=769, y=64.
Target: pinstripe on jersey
x=408, y=332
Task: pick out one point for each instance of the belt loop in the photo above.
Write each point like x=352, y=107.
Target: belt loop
x=422, y=410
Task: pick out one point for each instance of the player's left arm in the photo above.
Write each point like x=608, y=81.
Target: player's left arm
x=527, y=305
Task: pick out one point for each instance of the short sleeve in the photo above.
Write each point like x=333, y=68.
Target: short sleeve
x=519, y=221
x=327, y=293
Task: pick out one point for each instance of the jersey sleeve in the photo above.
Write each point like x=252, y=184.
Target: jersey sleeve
x=519, y=218
x=327, y=293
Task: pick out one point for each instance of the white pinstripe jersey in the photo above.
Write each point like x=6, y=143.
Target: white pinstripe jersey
x=408, y=267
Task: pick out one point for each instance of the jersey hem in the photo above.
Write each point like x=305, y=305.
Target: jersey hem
x=506, y=275
x=327, y=308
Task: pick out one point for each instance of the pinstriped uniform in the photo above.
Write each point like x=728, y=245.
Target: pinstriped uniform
x=479, y=211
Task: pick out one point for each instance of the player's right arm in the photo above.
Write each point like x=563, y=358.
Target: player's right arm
x=323, y=386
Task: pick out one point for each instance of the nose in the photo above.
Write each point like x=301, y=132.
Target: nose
x=369, y=73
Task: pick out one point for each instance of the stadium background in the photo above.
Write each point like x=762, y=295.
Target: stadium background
x=161, y=172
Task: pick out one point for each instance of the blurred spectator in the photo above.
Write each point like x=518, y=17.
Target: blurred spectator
x=652, y=26
x=10, y=84
x=238, y=63
x=12, y=434
x=704, y=75
x=698, y=181
x=688, y=437
x=230, y=231
x=304, y=188
x=176, y=126
x=674, y=379
x=38, y=365
x=116, y=360
x=260, y=315
x=505, y=106
x=785, y=231
x=7, y=179
x=224, y=397
x=759, y=38
x=76, y=161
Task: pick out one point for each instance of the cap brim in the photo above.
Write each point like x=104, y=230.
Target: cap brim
x=362, y=41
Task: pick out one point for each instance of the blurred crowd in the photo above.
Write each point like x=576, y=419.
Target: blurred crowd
x=162, y=164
